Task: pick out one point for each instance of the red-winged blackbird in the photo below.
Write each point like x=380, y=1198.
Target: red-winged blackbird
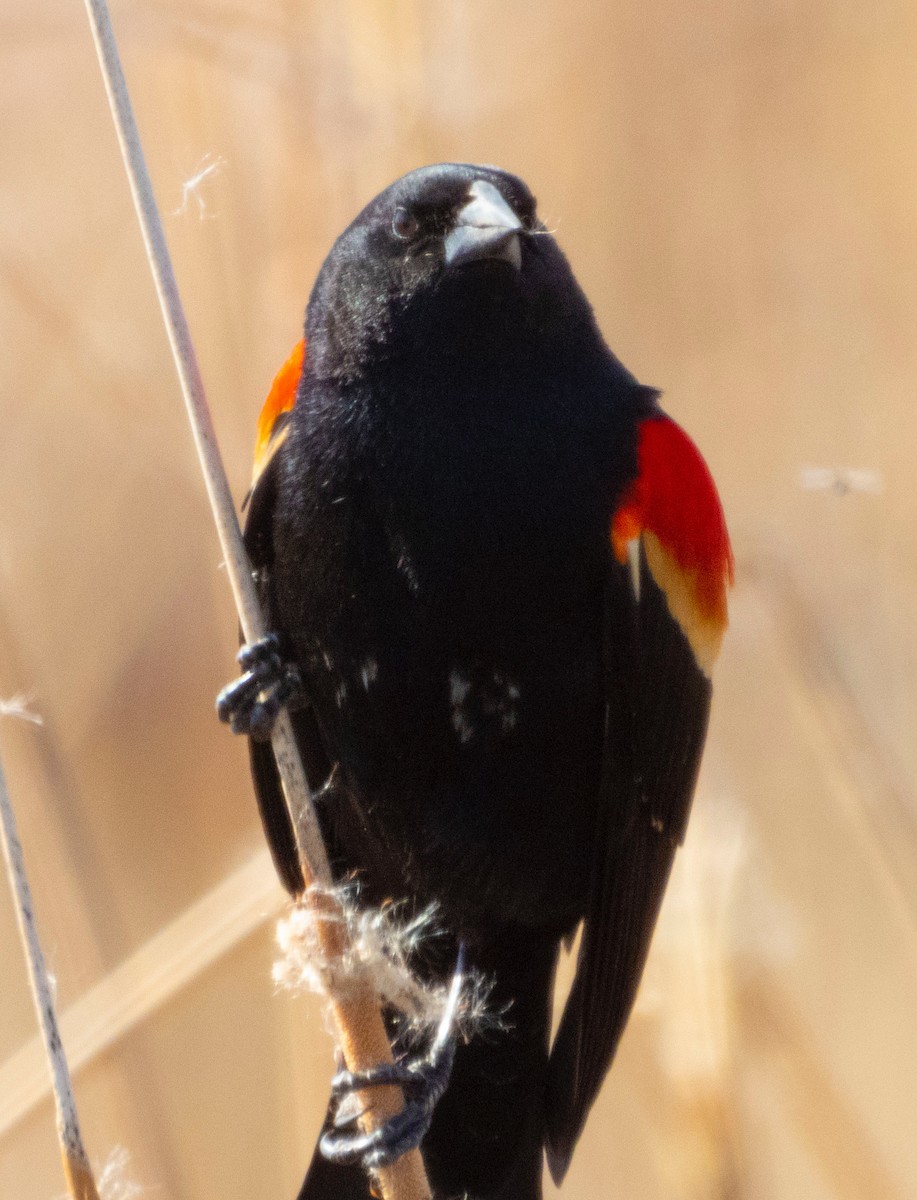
x=501, y=572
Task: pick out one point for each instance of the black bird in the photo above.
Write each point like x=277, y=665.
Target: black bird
x=499, y=573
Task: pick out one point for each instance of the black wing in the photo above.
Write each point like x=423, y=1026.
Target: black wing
x=658, y=701
x=259, y=542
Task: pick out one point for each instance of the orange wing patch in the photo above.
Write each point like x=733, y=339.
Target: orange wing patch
x=280, y=399
x=673, y=504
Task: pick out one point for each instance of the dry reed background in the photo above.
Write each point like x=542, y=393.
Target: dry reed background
x=736, y=187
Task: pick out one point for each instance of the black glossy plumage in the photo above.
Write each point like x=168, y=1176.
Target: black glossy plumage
x=515, y=736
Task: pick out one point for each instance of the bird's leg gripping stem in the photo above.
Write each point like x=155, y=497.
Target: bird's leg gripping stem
x=250, y=704
x=423, y=1080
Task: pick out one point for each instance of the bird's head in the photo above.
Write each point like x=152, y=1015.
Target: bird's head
x=449, y=261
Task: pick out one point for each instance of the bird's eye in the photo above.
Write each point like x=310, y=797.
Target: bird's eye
x=404, y=224
x=527, y=213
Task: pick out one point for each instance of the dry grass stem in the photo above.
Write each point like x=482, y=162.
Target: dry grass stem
x=77, y=1170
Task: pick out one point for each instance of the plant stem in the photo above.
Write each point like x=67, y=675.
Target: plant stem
x=80, y=1181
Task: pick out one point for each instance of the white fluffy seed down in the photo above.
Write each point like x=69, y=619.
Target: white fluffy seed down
x=382, y=942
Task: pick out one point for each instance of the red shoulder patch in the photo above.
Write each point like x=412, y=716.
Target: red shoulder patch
x=280, y=400
x=673, y=505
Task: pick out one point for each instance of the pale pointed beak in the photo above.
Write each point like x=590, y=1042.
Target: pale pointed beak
x=486, y=227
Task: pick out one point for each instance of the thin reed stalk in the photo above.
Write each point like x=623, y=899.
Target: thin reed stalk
x=358, y=1021
x=81, y=1183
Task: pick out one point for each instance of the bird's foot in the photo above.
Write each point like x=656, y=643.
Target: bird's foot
x=422, y=1080
x=250, y=704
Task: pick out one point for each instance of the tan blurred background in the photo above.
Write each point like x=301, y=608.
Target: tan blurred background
x=737, y=187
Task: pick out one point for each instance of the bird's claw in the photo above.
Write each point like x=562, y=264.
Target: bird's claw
x=250, y=704
x=422, y=1080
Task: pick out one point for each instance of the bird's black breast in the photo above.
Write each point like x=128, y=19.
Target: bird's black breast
x=440, y=562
